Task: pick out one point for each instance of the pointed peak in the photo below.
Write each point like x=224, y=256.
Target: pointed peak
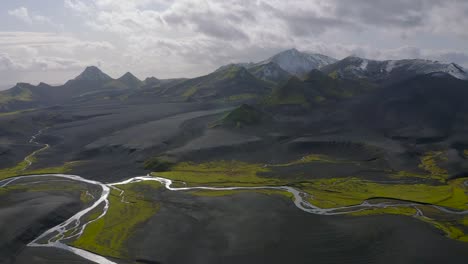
x=23, y=85
x=130, y=80
x=128, y=76
x=93, y=73
x=229, y=67
x=152, y=80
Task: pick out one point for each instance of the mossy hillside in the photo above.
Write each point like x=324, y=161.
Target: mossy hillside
x=229, y=83
x=294, y=92
x=244, y=115
x=430, y=161
x=21, y=169
x=157, y=164
x=317, y=88
x=18, y=93
x=241, y=97
x=108, y=235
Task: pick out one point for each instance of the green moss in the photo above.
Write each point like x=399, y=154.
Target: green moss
x=219, y=173
x=389, y=210
x=158, y=164
x=329, y=193
x=216, y=193
x=16, y=94
x=333, y=75
x=108, y=235
x=429, y=163
x=244, y=115
x=190, y=91
x=451, y=229
x=241, y=97
x=20, y=169
x=311, y=158
x=17, y=112
x=291, y=99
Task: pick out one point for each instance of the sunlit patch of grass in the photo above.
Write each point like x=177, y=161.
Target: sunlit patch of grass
x=329, y=193
x=429, y=163
x=190, y=91
x=108, y=235
x=219, y=173
x=409, y=211
x=218, y=193
x=240, y=97
x=453, y=229
x=311, y=158
x=19, y=169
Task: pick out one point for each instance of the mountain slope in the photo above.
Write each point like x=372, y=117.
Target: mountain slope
x=317, y=88
x=231, y=82
x=299, y=63
x=92, y=73
x=270, y=72
x=423, y=108
x=130, y=80
x=390, y=71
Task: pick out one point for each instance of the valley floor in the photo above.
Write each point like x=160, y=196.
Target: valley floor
x=301, y=195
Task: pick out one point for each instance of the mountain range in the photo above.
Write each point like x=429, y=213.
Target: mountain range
x=284, y=77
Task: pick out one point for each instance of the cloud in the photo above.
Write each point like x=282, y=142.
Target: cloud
x=21, y=13
x=32, y=51
x=187, y=38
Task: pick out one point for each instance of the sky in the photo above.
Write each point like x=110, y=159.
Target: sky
x=53, y=40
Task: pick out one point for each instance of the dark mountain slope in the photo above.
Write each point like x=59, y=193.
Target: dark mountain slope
x=317, y=88
x=391, y=71
x=130, y=80
x=425, y=108
x=270, y=72
x=230, y=83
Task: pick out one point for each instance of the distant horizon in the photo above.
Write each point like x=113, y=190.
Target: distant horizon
x=8, y=86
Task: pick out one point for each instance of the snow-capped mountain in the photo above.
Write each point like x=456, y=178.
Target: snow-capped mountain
x=299, y=63
x=93, y=73
x=289, y=62
x=394, y=70
x=271, y=72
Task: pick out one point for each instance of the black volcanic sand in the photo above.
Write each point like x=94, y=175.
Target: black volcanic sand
x=257, y=228
x=33, y=255
x=24, y=215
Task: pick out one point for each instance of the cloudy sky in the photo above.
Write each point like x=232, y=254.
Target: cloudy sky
x=53, y=40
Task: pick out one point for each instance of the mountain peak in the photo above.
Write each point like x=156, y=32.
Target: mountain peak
x=299, y=63
x=93, y=73
x=151, y=80
x=130, y=80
